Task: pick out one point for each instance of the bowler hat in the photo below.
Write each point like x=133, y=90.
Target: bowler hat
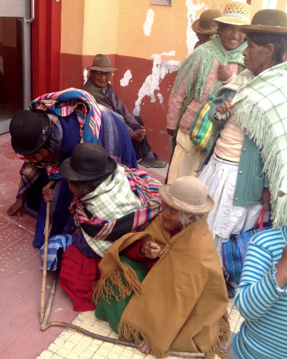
x=30, y=130
x=102, y=63
x=235, y=13
x=89, y=161
x=187, y=194
x=205, y=24
x=268, y=20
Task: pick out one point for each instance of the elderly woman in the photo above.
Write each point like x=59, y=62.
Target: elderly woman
x=181, y=303
x=110, y=201
x=253, y=134
x=45, y=136
x=202, y=73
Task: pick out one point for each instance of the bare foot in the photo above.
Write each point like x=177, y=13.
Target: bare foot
x=144, y=347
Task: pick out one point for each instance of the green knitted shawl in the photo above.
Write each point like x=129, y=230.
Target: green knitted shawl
x=261, y=109
x=203, y=58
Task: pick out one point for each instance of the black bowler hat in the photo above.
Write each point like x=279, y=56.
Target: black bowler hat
x=88, y=162
x=30, y=130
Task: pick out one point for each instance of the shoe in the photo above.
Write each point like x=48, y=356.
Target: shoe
x=155, y=162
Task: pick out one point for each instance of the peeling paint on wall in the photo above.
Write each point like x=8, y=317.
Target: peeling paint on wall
x=159, y=70
x=160, y=67
x=191, y=37
x=148, y=22
x=126, y=79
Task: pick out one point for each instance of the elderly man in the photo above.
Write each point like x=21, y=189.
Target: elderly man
x=110, y=201
x=45, y=135
x=99, y=86
x=181, y=304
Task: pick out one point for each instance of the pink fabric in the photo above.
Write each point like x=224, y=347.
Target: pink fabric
x=176, y=100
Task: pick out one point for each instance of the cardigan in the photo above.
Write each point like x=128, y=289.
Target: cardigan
x=250, y=179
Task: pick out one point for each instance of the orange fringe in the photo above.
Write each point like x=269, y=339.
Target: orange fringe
x=128, y=332
x=219, y=347
x=105, y=286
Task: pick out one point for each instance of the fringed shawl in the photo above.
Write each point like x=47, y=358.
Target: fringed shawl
x=261, y=110
x=202, y=60
x=181, y=304
x=101, y=229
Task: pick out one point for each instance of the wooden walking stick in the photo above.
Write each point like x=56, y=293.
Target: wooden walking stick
x=44, y=277
x=117, y=341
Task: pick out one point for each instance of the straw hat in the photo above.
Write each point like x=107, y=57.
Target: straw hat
x=269, y=21
x=187, y=194
x=89, y=161
x=205, y=24
x=29, y=130
x=102, y=63
x=235, y=13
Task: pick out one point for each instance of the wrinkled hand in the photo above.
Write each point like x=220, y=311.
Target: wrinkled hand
x=170, y=131
x=281, y=267
x=144, y=347
x=139, y=134
x=48, y=194
x=225, y=107
x=16, y=208
x=150, y=249
x=223, y=73
x=266, y=199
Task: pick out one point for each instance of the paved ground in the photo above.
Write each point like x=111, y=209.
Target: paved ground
x=20, y=288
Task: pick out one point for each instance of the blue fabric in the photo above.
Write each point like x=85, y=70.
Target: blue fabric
x=115, y=138
x=260, y=300
x=234, y=251
x=55, y=244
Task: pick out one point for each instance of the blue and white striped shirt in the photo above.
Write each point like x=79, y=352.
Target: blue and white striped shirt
x=261, y=302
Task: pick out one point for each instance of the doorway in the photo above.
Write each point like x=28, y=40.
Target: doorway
x=15, y=58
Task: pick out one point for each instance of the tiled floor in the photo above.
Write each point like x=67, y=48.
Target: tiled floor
x=20, y=288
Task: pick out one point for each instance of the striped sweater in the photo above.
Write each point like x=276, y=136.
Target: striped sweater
x=262, y=303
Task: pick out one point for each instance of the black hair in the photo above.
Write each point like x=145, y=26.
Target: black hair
x=265, y=38
x=85, y=187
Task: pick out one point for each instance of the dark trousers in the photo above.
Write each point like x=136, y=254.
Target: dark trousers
x=141, y=148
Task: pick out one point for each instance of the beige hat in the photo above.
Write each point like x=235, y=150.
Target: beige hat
x=205, y=24
x=187, y=194
x=268, y=20
x=235, y=13
x=102, y=63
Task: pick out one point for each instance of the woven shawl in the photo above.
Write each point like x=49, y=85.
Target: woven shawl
x=261, y=110
x=181, y=303
x=100, y=232
x=201, y=61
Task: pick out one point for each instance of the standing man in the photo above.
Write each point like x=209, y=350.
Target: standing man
x=99, y=86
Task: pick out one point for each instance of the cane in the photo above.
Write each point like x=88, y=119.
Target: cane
x=44, y=277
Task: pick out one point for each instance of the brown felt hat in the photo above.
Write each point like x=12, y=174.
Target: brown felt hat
x=89, y=161
x=235, y=13
x=102, y=63
x=269, y=20
x=205, y=24
x=187, y=194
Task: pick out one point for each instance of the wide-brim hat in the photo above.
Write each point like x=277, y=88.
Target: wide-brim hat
x=187, y=194
x=205, y=24
x=269, y=21
x=29, y=130
x=235, y=13
x=89, y=161
x=102, y=63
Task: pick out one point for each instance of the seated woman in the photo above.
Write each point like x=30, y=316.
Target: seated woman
x=46, y=135
x=110, y=201
x=181, y=303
